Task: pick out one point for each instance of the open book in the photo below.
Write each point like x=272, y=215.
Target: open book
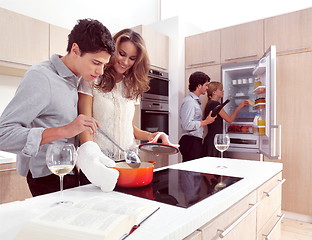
x=95, y=218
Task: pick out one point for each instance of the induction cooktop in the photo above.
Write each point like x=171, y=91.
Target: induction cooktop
x=180, y=187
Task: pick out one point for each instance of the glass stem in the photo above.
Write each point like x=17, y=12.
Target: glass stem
x=61, y=185
x=221, y=154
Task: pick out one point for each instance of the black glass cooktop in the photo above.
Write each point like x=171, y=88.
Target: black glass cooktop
x=180, y=187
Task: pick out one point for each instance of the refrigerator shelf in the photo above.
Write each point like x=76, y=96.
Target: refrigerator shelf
x=259, y=90
x=259, y=105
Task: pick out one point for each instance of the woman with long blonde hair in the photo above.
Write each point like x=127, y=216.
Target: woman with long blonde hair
x=215, y=93
x=112, y=97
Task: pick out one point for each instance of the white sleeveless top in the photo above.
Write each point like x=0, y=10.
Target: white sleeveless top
x=115, y=114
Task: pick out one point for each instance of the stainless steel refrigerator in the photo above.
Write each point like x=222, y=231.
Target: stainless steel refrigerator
x=254, y=80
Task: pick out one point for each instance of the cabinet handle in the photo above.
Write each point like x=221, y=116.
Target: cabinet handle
x=267, y=236
x=293, y=49
x=241, y=218
x=200, y=63
x=268, y=194
x=8, y=169
x=229, y=59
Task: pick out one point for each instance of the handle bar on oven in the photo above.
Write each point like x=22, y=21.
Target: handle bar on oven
x=156, y=112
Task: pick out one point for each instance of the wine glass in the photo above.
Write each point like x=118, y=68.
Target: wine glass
x=61, y=159
x=222, y=143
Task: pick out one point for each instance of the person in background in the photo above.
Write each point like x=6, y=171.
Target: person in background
x=191, y=114
x=215, y=93
x=111, y=99
x=44, y=108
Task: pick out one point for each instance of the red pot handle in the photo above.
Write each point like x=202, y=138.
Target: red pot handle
x=150, y=161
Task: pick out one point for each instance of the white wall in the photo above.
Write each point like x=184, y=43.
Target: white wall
x=8, y=86
x=115, y=15
x=176, y=30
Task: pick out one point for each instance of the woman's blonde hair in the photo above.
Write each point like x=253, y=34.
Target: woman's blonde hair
x=136, y=81
x=213, y=86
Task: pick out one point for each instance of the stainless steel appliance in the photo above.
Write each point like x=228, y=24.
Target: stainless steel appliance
x=154, y=104
x=253, y=80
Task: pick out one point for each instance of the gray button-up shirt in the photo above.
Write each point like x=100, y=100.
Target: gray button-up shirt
x=46, y=97
x=191, y=115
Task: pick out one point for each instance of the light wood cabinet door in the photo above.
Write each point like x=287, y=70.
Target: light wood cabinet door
x=244, y=230
x=13, y=186
x=157, y=45
x=58, y=40
x=24, y=40
x=290, y=32
x=202, y=49
x=294, y=113
x=269, y=194
x=272, y=228
x=243, y=42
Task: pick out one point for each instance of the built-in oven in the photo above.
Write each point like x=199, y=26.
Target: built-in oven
x=154, y=105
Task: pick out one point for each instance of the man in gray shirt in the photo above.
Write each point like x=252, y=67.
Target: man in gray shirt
x=191, y=117
x=44, y=108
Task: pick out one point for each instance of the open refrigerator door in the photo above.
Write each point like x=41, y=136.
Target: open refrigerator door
x=265, y=90
x=254, y=80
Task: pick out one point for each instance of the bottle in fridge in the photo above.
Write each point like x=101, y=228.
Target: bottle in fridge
x=254, y=80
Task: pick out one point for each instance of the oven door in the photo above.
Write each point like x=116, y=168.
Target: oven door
x=155, y=121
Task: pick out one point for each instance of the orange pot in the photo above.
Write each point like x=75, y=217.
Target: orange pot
x=135, y=177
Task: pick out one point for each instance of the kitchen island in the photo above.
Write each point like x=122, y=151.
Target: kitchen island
x=170, y=222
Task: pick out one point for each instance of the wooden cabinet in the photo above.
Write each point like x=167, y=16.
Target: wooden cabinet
x=294, y=113
x=202, y=49
x=243, y=42
x=157, y=45
x=289, y=32
x=24, y=40
x=238, y=222
x=254, y=217
x=269, y=210
x=13, y=186
x=58, y=40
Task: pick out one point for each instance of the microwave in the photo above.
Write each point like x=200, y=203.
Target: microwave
x=159, y=86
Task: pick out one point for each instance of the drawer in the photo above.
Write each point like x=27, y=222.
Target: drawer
x=272, y=228
x=244, y=210
x=269, y=195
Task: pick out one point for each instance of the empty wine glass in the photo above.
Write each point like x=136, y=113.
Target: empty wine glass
x=61, y=159
x=222, y=143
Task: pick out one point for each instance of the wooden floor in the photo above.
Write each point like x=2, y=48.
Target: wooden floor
x=296, y=230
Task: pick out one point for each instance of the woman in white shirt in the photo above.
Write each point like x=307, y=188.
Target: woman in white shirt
x=112, y=97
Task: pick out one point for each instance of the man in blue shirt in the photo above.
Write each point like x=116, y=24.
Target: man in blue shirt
x=44, y=110
x=191, y=117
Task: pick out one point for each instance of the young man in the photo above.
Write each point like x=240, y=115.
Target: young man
x=44, y=108
x=191, y=116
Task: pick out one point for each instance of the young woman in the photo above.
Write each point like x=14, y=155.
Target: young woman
x=111, y=99
x=215, y=93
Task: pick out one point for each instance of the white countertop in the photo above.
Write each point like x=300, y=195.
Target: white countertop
x=169, y=222
x=6, y=157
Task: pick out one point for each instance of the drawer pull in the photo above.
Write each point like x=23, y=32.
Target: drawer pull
x=267, y=236
x=241, y=218
x=8, y=169
x=268, y=194
x=229, y=59
x=200, y=63
x=293, y=49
